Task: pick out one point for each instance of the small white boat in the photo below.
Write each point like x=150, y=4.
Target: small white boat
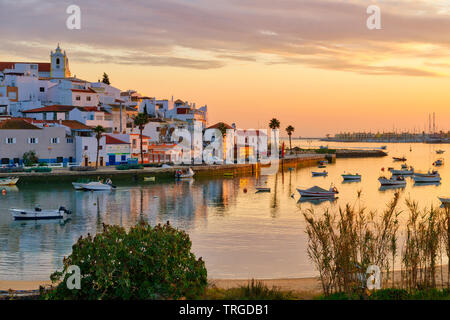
x=440, y=151
x=38, y=214
x=152, y=179
x=318, y=192
x=180, y=175
x=393, y=181
x=431, y=176
x=319, y=174
x=444, y=200
x=8, y=181
x=403, y=172
x=98, y=186
x=262, y=189
x=78, y=185
x=349, y=176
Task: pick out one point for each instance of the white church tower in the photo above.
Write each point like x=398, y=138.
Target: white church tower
x=59, y=64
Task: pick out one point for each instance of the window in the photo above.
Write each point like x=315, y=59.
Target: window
x=78, y=98
x=54, y=140
x=88, y=98
x=70, y=140
x=42, y=89
x=57, y=60
x=59, y=159
x=85, y=147
x=10, y=140
x=33, y=67
x=33, y=140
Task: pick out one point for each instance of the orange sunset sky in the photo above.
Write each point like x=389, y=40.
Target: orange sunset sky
x=311, y=64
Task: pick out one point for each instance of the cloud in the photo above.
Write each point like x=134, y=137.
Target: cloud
x=317, y=33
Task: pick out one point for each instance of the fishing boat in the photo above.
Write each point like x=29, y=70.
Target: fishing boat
x=403, y=172
x=262, y=189
x=150, y=179
x=438, y=163
x=440, y=151
x=393, y=181
x=37, y=213
x=431, y=176
x=78, y=185
x=351, y=177
x=403, y=159
x=186, y=175
x=318, y=192
x=319, y=174
x=98, y=186
x=444, y=200
x=8, y=181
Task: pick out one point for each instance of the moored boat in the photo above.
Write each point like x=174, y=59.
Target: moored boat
x=393, y=181
x=186, y=175
x=444, y=200
x=403, y=172
x=37, y=213
x=403, y=159
x=150, y=179
x=431, y=176
x=352, y=177
x=10, y=181
x=98, y=186
x=438, y=163
x=262, y=189
x=318, y=192
x=319, y=174
x=440, y=151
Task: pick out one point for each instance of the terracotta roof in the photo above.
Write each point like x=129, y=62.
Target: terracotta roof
x=54, y=108
x=42, y=66
x=112, y=140
x=216, y=126
x=101, y=109
x=16, y=124
x=72, y=124
x=179, y=101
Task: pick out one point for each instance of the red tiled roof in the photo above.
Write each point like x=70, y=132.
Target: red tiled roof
x=112, y=140
x=42, y=66
x=72, y=124
x=216, y=126
x=16, y=124
x=54, y=108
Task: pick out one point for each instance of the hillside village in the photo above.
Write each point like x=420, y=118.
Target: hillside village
x=45, y=109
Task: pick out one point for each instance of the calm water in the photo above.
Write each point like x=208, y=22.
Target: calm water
x=239, y=235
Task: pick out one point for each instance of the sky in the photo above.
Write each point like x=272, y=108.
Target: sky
x=312, y=64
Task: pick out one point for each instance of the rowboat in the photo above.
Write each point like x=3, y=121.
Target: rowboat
x=402, y=172
x=37, y=213
x=180, y=175
x=98, y=186
x=403, y=159
x=8, y=181
x=393, y=181
x=149, y=179
x=444, y=200
x=440, y=151
x=319, y=174
x=262, y=189
x=352, y=177
x=318, y=192
x=431, y=176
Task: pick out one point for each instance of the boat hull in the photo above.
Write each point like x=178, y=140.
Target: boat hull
x=96, y=186
x=351, y=177
x=426, y=179
x=390, y=182
x=19, y=214
x=9, y=181
x=315, y=194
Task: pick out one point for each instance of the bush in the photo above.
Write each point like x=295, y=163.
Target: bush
x=254, y=290
x=30, y=158
x=144, y=263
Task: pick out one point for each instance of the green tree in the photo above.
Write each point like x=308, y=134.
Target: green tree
x=290, y=129
x=144, y=263
x=105, y=78
x=222, y=128
x=30, y=158
x=99, y=130
x=140, y=121
x=274, y=124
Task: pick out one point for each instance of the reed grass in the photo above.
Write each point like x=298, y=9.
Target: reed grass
x=342, y=244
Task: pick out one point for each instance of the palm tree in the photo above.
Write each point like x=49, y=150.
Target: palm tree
x=222, y=128
x=289, y=131
x=140, y=121
x=274, y=124
x=99, y=130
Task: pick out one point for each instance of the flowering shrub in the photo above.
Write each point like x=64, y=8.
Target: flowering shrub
x=144, y=263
